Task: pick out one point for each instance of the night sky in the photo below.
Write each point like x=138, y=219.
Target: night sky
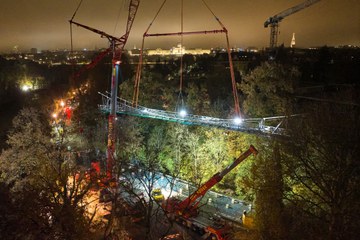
x=43, y=24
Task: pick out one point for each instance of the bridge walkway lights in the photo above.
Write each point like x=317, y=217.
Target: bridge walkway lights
x=268, y=126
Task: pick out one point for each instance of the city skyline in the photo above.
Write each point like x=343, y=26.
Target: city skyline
x=44, y=24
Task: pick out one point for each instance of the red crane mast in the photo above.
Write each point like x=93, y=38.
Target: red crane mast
x=116, y=46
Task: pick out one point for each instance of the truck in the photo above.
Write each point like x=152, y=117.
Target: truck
x=186, y=211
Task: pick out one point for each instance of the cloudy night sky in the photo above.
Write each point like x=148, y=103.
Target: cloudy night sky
x=43, y=24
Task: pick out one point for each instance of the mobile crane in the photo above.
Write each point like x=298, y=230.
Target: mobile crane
x=187, y=210
x=274, y=20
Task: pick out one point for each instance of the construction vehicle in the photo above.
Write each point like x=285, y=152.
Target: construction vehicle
x=274, y=20
x=157, y=194
x=186, y=211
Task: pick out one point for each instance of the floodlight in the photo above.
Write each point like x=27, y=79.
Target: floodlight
x=182, y=113
x=238, y=120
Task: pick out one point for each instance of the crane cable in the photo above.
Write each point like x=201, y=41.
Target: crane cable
x=217, y=19
x=118, y=17
x=139, y=67
x=181, y=47
x=138, y=72
x=71, y=37
x=156, y=15
x=233, y=82
x=72, y=18
x=180, y=97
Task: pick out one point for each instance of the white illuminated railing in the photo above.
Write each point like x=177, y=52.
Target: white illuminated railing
x=265, y=125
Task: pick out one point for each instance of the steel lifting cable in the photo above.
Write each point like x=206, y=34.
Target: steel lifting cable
x=224, y=30
x=233, y=82
x=139, y=67
x=217, y=19
x=72, y=18
x=71, y=34
x=156, y=15
x=180, y=97
x=181, y=42
x=118, y=16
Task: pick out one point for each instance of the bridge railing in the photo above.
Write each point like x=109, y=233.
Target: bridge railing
x=266, y=125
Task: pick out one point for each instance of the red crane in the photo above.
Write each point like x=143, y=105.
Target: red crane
x=116, y=46
x=188, y=208
x=183, y=33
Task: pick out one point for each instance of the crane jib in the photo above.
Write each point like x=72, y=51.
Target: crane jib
x=201, y=191
x=251, y=150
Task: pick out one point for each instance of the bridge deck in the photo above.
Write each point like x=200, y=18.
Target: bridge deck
x=264, y=126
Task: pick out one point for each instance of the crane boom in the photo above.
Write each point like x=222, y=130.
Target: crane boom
x=133, y=7
x=101, y=33
x=274, y=20
x=119, y=42
x=188, y=207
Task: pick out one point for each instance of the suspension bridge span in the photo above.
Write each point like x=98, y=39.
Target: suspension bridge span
x=268, y=126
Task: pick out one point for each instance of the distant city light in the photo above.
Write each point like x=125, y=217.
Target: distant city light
x=182, y=113
x=238, y=120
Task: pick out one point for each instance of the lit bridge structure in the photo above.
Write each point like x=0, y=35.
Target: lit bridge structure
x=267, y=126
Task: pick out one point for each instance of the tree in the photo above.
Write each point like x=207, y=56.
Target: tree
x=197, y=166
x=268, y=90
x=243, y=182
x=198, y=99
x=10, y=73
x=42, y=182
x=130, y=140
x=269, y=207
x=322, y=170
x=139, y=177
x=216, y=152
